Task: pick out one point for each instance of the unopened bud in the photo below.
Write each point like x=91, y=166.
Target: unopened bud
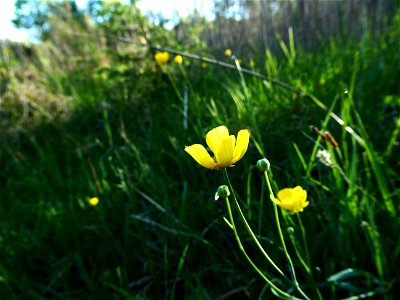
x=222, y=192
x=290, y=230
x=263, y=164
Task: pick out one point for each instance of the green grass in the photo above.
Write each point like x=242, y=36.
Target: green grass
x=157, y=232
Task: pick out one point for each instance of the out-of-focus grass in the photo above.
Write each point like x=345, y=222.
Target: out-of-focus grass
x=157, y=231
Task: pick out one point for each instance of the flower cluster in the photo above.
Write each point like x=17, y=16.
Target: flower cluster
x=228, y=150
x=324, y=157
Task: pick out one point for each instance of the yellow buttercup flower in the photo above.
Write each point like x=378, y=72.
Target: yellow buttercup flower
x=252, y=63
x=161, y=58
x=93, y=201
x=203, y=65
x=293, y=200
x=228, y=52
x=178, y=59
x=227, y=150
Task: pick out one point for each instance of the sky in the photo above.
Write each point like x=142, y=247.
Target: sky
x=168, y=9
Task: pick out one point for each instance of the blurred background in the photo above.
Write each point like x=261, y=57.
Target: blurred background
x=86, y=112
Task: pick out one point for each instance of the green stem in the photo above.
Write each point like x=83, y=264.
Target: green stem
x=249, y=230
x=292, y=271
x=273, y=286
x=303, y=235
x=308, y=269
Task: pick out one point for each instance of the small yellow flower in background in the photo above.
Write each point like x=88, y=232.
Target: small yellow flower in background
x=252, y=63
x=228, y=52
x=161, y=58
x=178, y=59
x=239, y=61
x=293, y=200
x=227, y=150
x=93, y=201
x=203, y=65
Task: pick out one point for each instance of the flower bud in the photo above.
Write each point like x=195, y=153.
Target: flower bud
x=228, y=52
x=263, y=164
x=178, y=59
x=222, y=192
x=290, y=230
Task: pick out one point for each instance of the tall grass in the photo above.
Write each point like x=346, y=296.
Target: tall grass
x=157, y=232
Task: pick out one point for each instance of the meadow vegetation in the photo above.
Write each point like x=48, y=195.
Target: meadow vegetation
x=99, y=200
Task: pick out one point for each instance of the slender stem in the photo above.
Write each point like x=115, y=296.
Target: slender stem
x=306, y=264
x=303, y=235
x=292, y=271
x=232, y=225
x=299, y=256
x=249, y=230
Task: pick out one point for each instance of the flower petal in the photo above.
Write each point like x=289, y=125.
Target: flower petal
x=284, y=194
x=300, y=193
x=241, y=144
x=288, y=204
x=200, y=154
x=224, y=155
x=215, y=137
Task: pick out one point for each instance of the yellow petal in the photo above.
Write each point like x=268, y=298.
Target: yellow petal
x=300, y=193
x=241, y=144
x=215, y=137
x=224, y=155
x=288, y=204
x=292, y=200
x=284, y=193
x=200, y=154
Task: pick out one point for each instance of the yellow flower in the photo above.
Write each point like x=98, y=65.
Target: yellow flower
x=93, y=201
x=161, y=58
x=252, y=63
x=178, y=59
x=227, y=150
x=228, y=52
x=203, y=65
x=293, y=200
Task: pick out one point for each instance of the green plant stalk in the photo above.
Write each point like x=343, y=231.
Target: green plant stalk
x=292, y=271
x=232, y=225
x=306, y=266
x=308, y=263
x=299, y=256
x=179, y=269
x=249, y=230
x=303, y=235
x=379, y=173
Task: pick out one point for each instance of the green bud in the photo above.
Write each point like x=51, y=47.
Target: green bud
x=222, y=192
x=263, y=164
x=290, y=230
